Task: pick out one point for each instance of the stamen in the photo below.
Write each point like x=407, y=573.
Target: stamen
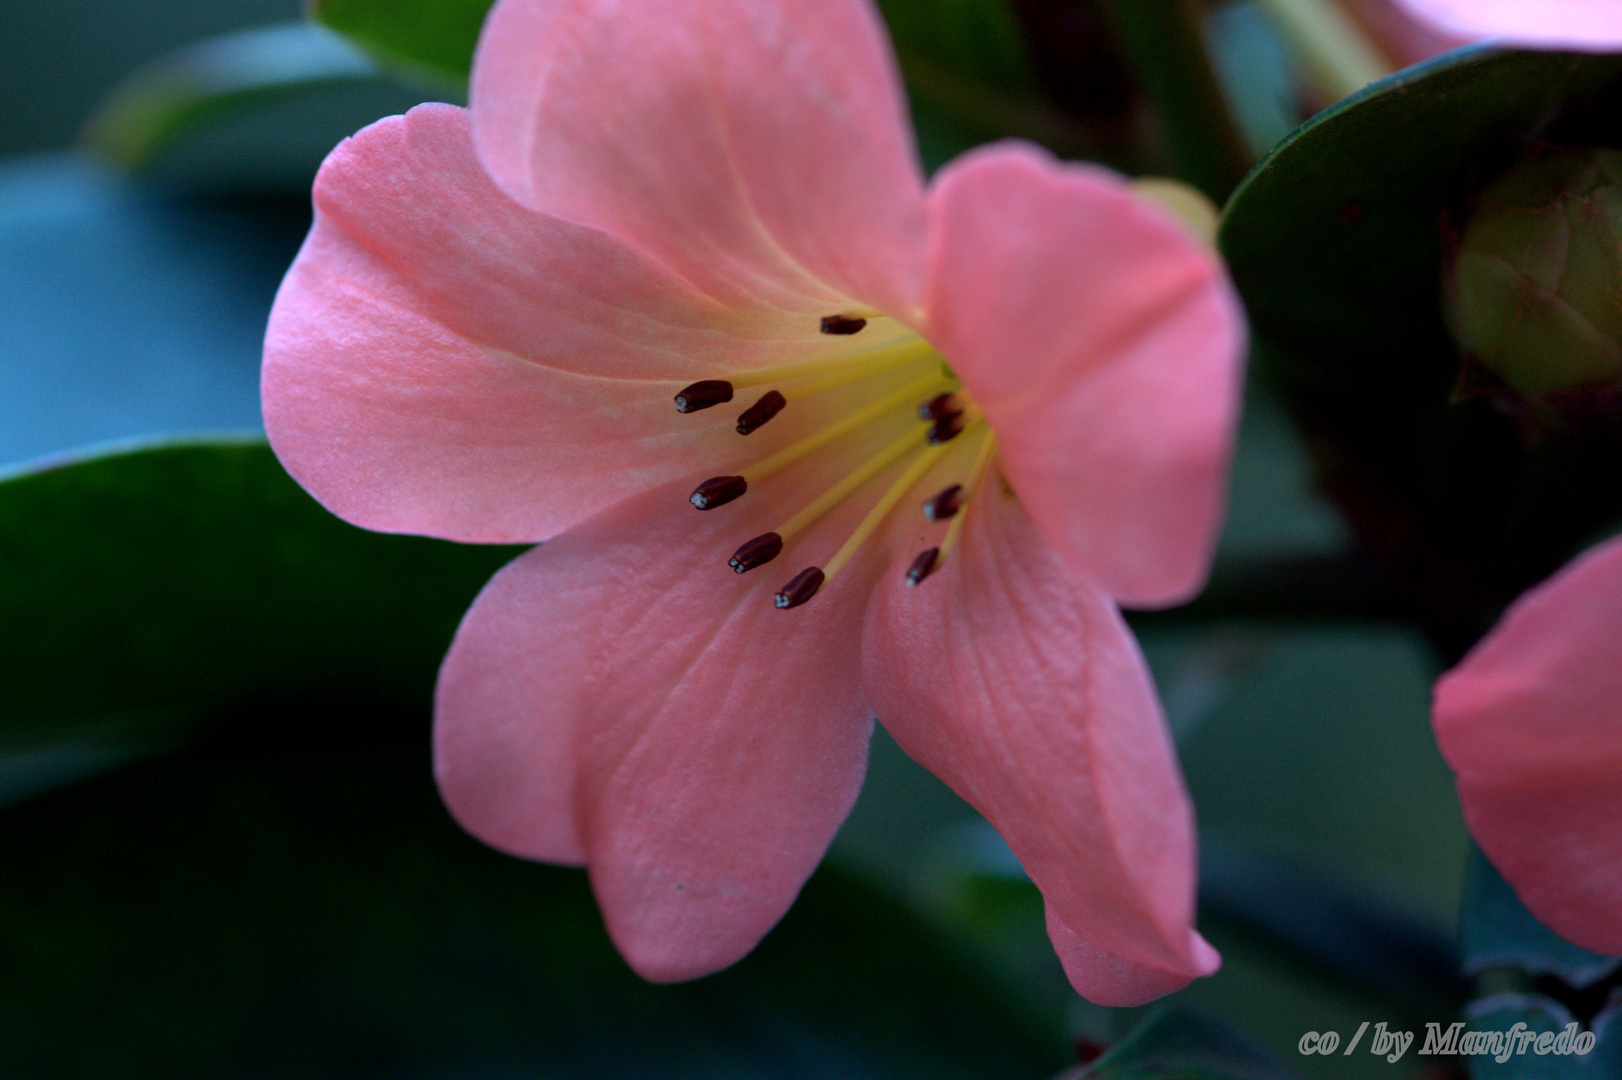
x=946, y=429
x=703, y=394
x=940, y=407
x=861, y=475
x=871, y=361
x=808, y=387
x=815, y=441
x=757, y=552
x=770, y=404
x=977, y=472
x=842, y=324
x=922, y=566
x=842, y=490
x=718, y=491
x=945, y=504
x=881, y=510
x=802, y=588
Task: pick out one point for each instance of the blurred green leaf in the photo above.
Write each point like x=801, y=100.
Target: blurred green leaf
x=1331, y=923
x=1528, y=974
x=1502, y=1012
x=194, y=86
x=1184, y=1045
x=124, y=312
x=1164, y=42
x=979, y=39
x=1496, y=930
x=291, y=899
x=428, y=39
x=154, y=586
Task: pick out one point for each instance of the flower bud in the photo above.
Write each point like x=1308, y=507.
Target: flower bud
x=1535, y=290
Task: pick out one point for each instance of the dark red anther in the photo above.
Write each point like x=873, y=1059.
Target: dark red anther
x=757, y=552
x=841, y=324
x=703, y=394
x=770, y=404
x=946, y=429
x=939, y=407
x=802, y=588
x=718, y=491
x=922, y=566
x=944, y=505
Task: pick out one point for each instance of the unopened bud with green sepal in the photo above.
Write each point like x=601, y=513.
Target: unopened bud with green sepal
x=1535, y=290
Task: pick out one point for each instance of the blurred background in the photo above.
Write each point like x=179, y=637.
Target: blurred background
x=220, y=848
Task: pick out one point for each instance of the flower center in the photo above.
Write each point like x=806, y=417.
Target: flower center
x=942, y=410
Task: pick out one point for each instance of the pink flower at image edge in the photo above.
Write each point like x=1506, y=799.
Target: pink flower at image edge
x=1577, y=25
x=1531, y=722
x=481, y=338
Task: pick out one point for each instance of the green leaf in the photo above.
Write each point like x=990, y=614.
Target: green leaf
x=429, y=39
x=148, y=589
x=1527, y=974
x=1541, y=1014
x=291, y=899
x=1174, y=1043
x=1336, y=243
x=1496, y=931
x=187, y=90
x=1334, y=239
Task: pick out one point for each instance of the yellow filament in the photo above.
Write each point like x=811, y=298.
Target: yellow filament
x=914, y=390
x=827, y=382
x=842, y=490
x=977, y=473
x=863, y=362
x=914, y=472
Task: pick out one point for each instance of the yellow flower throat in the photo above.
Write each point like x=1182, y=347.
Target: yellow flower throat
x=944, y=411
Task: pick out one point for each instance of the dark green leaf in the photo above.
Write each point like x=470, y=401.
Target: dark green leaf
x=292, y=900
x=180, y=579
x=431, y=39
x=1541, y=1014
x=1496, y=930
x=1183, y=1045
x=1332, y=924
x=1334, y=239
x=1336, y=243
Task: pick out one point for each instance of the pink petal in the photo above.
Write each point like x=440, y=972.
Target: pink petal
x=759, y=148
x=1106, y=346
x=620, y=694
x=1020, y=686
x=1580, y=25
x=1531, y=721
x=441, y=360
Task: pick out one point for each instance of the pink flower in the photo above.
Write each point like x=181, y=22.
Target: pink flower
x=1531, y=721
x=1578, y=25
x=724, y=193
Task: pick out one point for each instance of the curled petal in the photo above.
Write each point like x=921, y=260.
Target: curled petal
x=1020, y=686
x=1106, y=347
x=759, y=148
x=1579, y=25
x=1104, y=977
x=441, y=360
x=1531, y=721
x=620, y=695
